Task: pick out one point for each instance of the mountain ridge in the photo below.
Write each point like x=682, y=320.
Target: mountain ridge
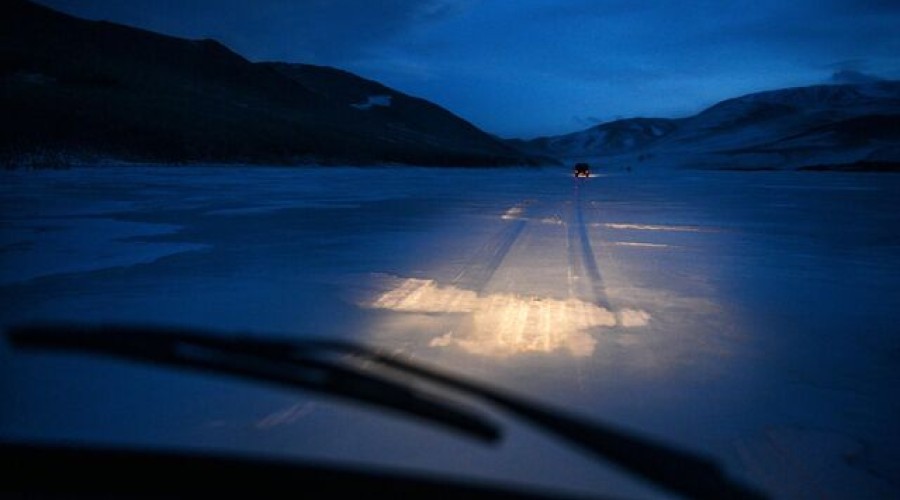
x=79, y=89
x=819, y=125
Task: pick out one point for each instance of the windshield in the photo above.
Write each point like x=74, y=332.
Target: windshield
x=657, y=306
x=583, y=248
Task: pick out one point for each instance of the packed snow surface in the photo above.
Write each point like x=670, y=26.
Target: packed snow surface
x=751, y=317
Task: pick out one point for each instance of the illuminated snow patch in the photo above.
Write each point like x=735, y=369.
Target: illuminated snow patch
x=633, y=317
x=639, y=244
x=513, y=213
x=424, y=296
x=503, y=325
x=652, y=227
x=555, y=220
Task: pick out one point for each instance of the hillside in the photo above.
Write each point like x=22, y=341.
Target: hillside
x=618, y=136
x=824, y=125
x=411, y=123
x=75, y=89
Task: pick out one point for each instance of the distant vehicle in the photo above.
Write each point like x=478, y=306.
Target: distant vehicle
x=582, y=170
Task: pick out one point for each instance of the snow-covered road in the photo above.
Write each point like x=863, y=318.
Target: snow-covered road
x=748, y=316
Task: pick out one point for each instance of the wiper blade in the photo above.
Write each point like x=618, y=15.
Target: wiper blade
x=306, y=364
x=308, y=369
x=675, y=470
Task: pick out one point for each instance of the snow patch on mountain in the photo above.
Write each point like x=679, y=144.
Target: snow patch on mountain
x=383, y=101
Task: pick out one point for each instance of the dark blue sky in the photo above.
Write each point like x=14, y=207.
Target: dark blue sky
x=521, y=68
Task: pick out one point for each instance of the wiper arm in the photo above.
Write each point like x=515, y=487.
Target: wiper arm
x=675, y=470
x=308, y=369
x=305, y=364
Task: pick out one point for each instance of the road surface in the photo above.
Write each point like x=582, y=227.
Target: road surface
x=747, y=316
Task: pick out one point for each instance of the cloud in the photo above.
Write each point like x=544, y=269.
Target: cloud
x=586, y=121
x=337, y=32
x=851, y=76
x=316, y=31
x=865, y=6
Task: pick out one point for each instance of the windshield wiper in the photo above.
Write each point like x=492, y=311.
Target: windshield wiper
x=305, y=367
x=324, y=366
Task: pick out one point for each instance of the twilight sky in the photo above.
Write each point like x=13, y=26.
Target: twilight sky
x=523, y=68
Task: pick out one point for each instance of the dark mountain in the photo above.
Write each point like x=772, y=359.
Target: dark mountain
x=410, y=123
x=818, y=125
x=78, y=89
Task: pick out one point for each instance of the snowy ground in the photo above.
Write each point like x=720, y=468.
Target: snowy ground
x=749, y=316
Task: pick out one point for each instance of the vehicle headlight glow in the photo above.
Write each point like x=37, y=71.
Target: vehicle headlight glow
x=507, y=324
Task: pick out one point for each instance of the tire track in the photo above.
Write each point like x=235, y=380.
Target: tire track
x=484, y=264
x=582, y=260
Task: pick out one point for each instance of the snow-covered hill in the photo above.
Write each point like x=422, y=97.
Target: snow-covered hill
x=612, y=137
x=790, y=128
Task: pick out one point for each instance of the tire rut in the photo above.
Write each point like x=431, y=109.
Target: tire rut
x=582, y=259
x=484, y=264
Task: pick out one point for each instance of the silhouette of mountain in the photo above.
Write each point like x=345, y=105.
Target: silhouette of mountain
x=82, y=90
